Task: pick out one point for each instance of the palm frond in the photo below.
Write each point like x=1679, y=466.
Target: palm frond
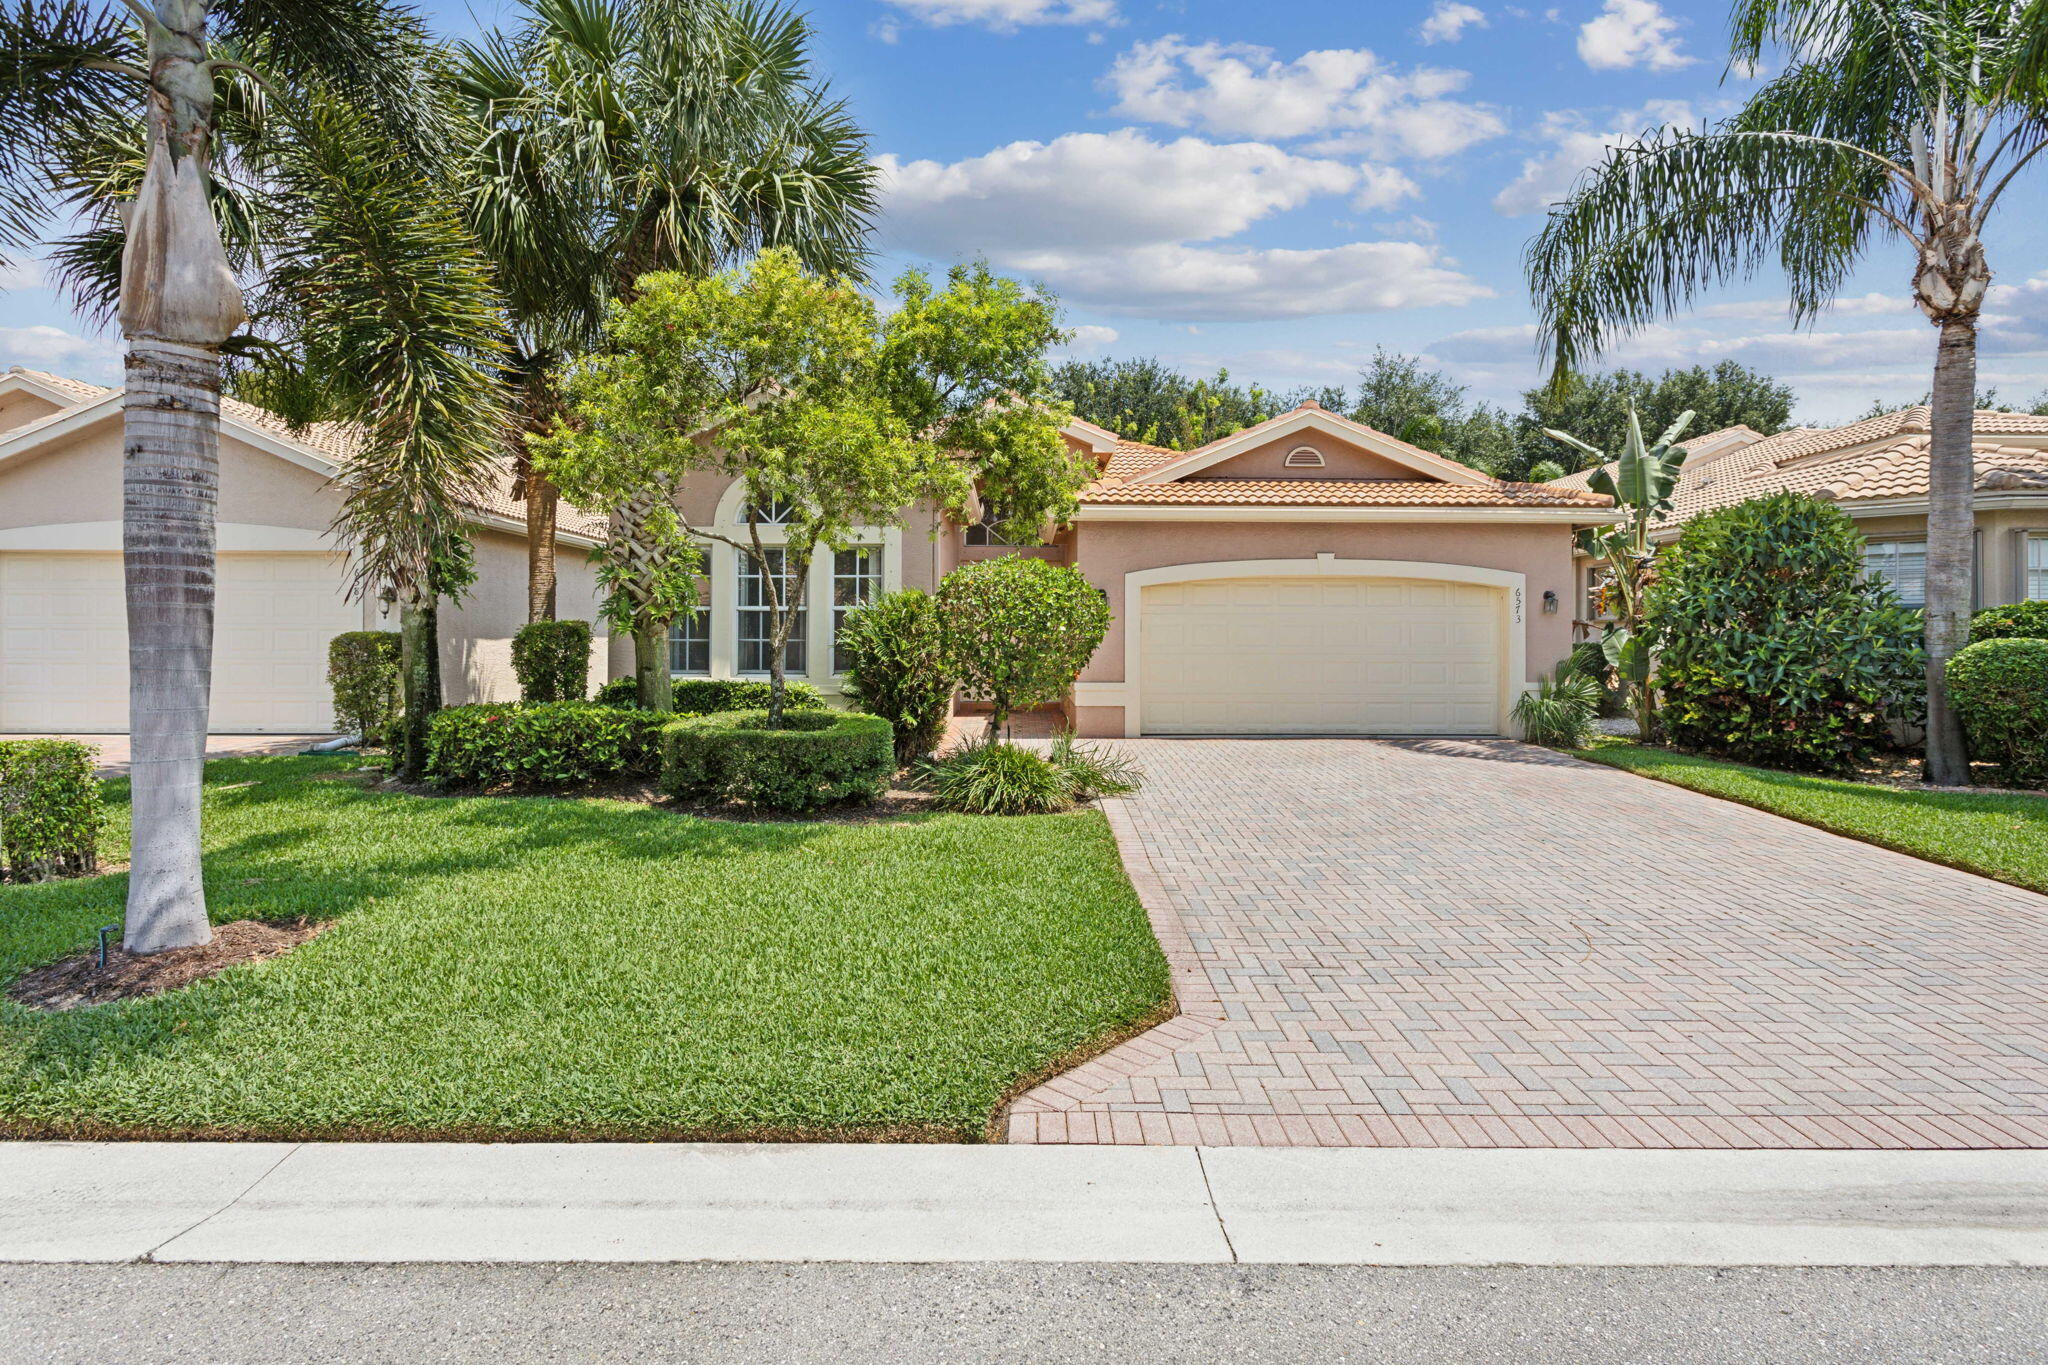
x=63, y=66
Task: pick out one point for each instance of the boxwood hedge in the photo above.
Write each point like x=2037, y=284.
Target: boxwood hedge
x=49, y=810
x=818, y=758
x=2000, y=690
x=545, y=744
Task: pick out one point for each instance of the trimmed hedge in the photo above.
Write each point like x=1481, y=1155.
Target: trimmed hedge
x=552, y=660
x=899, y=668
x=709, y=696
x=49, y=810
x=2013, y=621
x=362, y=671
x=817, y=758
x=2000, y=690
x=548, y=744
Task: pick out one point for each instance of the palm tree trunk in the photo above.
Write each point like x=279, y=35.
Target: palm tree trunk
x=650, y=667
x=419, y=680
x=1951, y=541
x=179, y=302
x=170, y=483
x=542, y=506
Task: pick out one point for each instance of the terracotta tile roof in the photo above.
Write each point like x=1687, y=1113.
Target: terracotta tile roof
x=1879, y=457
x=1337, y=493
x=338, y=440
x=1132, y=458
x=1700, y=451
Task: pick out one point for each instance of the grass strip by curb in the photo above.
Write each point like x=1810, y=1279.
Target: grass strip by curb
x=2000, y=835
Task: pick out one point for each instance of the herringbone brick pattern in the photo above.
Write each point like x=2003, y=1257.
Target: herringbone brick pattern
x=1478, y=943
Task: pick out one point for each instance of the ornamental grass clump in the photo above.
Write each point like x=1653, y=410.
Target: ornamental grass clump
x=1007, y=779
x=2000, y=689
x=1777, y=648
x=1561, y=711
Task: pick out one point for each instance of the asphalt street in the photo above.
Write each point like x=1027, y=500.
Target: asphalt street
x=141, y=1314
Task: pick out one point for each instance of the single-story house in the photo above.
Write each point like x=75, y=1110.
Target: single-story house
x=1876, y=471
x=1307, y=575
x=281, y=577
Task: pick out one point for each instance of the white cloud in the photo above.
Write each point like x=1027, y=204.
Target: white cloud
x=1241, y=89
x=1181, y=282
x=1864, y=305
x=1006, y=15
x=22, y=273
x=1085, y=190
x=1631, y=33
x=43, y=347
x=1448, y=21
x=1089, y=338
x=1575, y=145
x=1382, y=187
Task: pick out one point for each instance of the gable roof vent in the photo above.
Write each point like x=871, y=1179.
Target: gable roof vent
x=1304, y=457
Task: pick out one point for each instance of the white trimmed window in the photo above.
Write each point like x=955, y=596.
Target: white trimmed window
x=757, y=618
x=1901, y=563
x=856, y=581
x=776, y=513
x=986, y=531
x=2037, y=568
x=689, y=643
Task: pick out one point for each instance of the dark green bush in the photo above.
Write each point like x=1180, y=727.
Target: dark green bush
x=709, y=696
x=619, y=692
x=549, y=744
x=818, y=758
x=1019, y=630
x=899, y=669
x=552, y=660
x=1775, y=648
x=2013, y=621
x=49, y=810
x=2000, y=690
x=362, y=670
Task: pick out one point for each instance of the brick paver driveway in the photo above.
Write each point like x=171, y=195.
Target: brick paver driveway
x=1484, y=944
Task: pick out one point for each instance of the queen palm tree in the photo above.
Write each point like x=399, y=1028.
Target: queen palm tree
x=1905, y=120
x=618, y=137
x=232, y=156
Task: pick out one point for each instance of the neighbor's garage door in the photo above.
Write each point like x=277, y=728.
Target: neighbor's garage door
x=64, y=642
x=1376, y=656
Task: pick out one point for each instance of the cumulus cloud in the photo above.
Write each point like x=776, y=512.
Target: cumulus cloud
x=1007, y=15
x=1862, y=305
x=1089, y=338
x=1200, y=284
x=1448, y=21
x=94, y=359
x=1382, y=187
x=1631, y=33
x=1576, y=143
x=1237, y=89
x=1097, y=190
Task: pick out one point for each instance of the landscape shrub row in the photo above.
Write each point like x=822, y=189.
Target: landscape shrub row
x=818, y=758
x=49, y=810
x=546, y=744
x=1999, y=686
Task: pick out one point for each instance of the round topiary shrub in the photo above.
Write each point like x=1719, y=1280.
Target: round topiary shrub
x=817, y=758
x=1019, y=630
x=552, y=744
x=2013, y=621
x=2000, y=690
x=552, y=660
x=1776, y=649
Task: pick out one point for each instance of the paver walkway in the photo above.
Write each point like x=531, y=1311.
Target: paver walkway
x=114, y=750
x=1478, y=943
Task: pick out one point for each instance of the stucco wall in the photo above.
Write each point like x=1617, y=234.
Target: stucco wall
x=1340, y=461
x=20, y=408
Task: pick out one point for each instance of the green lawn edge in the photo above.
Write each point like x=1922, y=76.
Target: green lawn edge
x=889, y=981
x=2000, y=835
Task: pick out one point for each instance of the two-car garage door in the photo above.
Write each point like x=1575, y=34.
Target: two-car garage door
x=1321, y=655
x=64, y=642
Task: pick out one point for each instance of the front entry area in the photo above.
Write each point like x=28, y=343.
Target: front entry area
x=1322, y=655
x=64, y=643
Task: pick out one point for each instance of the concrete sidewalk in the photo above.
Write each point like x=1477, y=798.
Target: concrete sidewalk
x=379, y=1203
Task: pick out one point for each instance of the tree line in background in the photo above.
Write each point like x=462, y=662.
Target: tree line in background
x=1146, y=400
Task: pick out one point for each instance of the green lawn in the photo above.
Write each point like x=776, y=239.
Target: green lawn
x=1995, y=835
x=539, y=967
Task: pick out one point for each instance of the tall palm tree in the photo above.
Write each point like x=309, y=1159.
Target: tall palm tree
x=118, y=112
x=618, y=137
x=1902, y=119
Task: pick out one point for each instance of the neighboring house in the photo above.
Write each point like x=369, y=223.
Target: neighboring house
x=1876, y=471
x=281, y=578
x=1307, y=575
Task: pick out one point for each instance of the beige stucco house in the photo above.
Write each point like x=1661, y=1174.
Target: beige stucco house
x=1876, y=471
x=1308, y=575
x=282, y=578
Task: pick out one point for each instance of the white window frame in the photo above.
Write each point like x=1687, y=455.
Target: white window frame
x=752, y=582
x=866, y=581
x=686, y=633
x=2034, y=568
x=1874, y=550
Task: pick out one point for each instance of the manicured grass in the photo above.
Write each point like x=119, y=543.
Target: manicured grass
x=537, y=967
x=1993, y=834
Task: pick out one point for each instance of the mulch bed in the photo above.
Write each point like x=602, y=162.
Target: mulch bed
x=80, y=980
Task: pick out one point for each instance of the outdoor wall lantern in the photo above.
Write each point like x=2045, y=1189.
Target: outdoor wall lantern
x=1549, y=602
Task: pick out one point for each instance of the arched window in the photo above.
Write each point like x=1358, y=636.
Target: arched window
x=774, y=513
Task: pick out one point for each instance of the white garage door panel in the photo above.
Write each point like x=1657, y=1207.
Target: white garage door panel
x=1321, y=656
x=64, y=642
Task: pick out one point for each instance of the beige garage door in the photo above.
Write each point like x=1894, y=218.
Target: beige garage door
x=1322, y=656
x=64, y=642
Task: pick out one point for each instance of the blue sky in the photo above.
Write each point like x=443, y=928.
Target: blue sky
x=1278, y=187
